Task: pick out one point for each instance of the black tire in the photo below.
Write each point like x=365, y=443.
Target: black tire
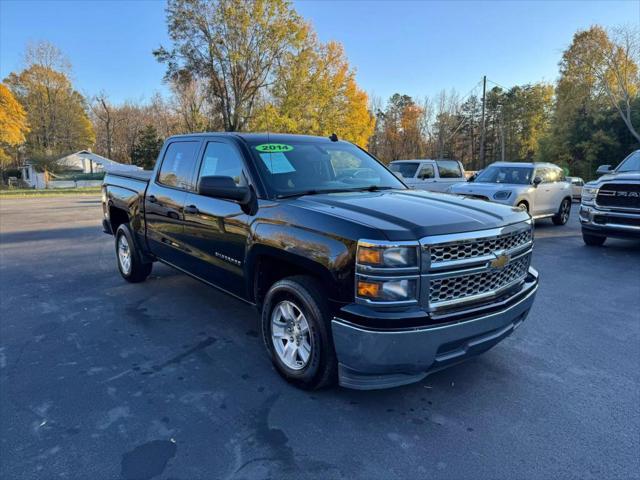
x=593, y=240
x=137, y=270
x=524, y=206
x=307, y=296
x=562, y=217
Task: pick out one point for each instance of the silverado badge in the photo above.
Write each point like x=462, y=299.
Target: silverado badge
x=501, y=261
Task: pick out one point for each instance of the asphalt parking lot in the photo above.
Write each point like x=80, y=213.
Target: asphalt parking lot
x=101, y=379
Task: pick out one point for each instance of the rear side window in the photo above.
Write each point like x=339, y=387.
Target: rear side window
x=449, y=169
x=178, y=164
x=222, y=159
x=406, y=169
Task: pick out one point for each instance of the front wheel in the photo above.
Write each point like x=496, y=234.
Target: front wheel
x=562, y=217
x=130, y=263
x=297, y=333
x=524, y=206
x=593, y=240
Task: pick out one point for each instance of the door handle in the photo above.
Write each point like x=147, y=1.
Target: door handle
x=192, y=209
x=152, y=199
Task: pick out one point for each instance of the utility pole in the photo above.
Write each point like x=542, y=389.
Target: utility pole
x=484, y=98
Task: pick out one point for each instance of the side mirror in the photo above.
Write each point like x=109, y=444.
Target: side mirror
x=472, y=178
x=602, y=169
x=537, y=181
x=224, y=187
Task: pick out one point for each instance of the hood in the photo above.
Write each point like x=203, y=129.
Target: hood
x=622, y=176
x=412, y=214
x=488, y=189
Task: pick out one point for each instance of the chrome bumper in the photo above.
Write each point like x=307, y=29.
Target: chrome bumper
x=373, y=359
x=608, y=222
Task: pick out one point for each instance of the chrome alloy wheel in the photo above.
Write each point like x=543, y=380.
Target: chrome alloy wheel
x=124, y=255
x=564, y=211
x=290, y=335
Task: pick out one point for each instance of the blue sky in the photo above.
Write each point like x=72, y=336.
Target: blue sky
x=417, y=48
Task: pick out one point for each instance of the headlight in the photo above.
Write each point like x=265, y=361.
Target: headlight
x=502, y=195
x=589, y=195
x=383, y=256
x=387, y=290
x=387, y=272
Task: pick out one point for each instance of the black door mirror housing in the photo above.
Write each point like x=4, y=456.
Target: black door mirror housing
x=537, y=181
x=224, y=187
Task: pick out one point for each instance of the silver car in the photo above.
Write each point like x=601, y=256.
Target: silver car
x=539, y=188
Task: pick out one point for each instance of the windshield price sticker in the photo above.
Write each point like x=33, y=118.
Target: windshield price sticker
x=274, y=147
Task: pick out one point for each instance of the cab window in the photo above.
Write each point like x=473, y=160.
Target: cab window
x=178, y=164
x=449, y=169
x=221, y=159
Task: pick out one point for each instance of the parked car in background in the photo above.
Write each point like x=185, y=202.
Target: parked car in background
x=369, y=284
x=576, y=187
x=610, y=205
x=539, y=188
x=432, y=175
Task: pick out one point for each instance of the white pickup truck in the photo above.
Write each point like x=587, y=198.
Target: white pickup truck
x=432, y=175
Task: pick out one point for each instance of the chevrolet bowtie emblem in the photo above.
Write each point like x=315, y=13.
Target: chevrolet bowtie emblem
x=500, y=261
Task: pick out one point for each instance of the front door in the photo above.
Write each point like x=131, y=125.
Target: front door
x=216, y=230
x=164, y=201
x=426, y=177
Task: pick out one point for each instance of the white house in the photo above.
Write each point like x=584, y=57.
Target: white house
x=83, y=161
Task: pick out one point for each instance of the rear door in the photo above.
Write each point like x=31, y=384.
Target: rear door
x=164, y=201
x=216, y=230
x=449, y=173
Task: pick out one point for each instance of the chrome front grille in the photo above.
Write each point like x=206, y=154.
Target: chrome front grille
x=472, y=268
x=466, y=286
x=478, y=247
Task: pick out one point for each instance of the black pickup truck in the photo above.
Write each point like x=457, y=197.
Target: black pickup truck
x=357, y=278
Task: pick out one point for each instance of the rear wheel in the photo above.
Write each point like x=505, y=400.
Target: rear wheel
x=297, y=333
x=593, y=240
x=562, y=217
x=129, y=260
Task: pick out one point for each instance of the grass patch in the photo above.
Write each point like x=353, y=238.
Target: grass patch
x=57, y=192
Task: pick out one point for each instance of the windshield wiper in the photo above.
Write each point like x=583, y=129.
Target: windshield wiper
x=370, y=188
x=373, y=188
x=308, y=192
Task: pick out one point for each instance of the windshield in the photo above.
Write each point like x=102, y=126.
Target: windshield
x=299, y=167
x=406, y=169
x=631, y=163
x=500, y=174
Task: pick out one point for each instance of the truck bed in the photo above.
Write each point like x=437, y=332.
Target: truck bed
x=142, y=175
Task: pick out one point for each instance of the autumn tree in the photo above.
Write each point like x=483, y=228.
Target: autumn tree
x=232, y=46
x=314, y=92
x=56, y=112
x=598, y=77
x=13, y=124
x=400, y=130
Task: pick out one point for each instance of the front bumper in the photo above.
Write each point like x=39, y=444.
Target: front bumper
x=373, y=359
x=596, y=221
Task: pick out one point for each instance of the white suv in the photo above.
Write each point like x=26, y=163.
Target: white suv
x=539, y=188
x=432, y=175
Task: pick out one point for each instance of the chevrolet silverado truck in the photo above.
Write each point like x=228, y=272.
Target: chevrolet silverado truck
x=610, y=205
x=357, y=278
